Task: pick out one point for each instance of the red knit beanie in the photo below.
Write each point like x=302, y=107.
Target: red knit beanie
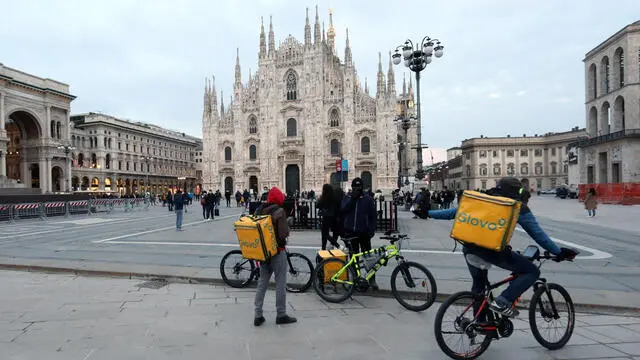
x=275, y=196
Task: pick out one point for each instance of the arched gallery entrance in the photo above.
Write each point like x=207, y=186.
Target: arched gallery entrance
x=292, y=179
x=21, y=128
x=57, y=178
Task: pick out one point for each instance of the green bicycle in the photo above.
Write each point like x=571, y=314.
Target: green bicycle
x=335, y=279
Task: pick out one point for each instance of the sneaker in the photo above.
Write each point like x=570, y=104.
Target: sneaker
x=506, y=310
x=258, y=321
x=285, y=319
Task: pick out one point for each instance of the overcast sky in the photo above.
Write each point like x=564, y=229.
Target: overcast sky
x=510, y=67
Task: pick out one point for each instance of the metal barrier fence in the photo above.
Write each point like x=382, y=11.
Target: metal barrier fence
x=305, y=215
x=43, y=210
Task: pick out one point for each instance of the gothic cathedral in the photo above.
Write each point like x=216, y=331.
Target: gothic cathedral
x=303, y=110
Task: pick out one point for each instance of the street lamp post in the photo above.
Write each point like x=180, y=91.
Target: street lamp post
x=67, y=149
x=405, y=122
x=148, y=160
x=416, y=57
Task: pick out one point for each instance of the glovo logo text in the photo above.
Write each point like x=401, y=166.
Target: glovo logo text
x=484, y=224
x=254, y=244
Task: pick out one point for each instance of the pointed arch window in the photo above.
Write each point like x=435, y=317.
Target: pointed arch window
x=292, y=86
x=334, y=118
x=335, y=147
x=253, y=152
x=292, y=127
x=227, y=154
x=365, y=145
x=253, y=125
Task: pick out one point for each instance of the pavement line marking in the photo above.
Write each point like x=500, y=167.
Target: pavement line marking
x=173, y=243
x=71, y=228
x=111, y=239
x=595, y=254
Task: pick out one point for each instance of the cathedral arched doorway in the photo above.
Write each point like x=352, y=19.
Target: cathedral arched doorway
x=367, y=180
x=228, y=184
x=292, y=179
x=57, y=179
x=21, y=127
x=253, y=183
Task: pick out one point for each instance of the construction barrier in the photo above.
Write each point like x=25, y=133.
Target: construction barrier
x=619, y=193
x=54, y=208
x=27, y=210
x=6, y=212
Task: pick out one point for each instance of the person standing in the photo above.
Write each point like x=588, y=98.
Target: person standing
x=178, y=203
x=227, y=196
x=328, y=207
x=210, y=203
x=359, y=220
x=203, y=202
x=591, y=203
x=278, y=265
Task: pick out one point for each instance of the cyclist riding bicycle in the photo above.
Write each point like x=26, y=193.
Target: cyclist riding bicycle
x=507, y=259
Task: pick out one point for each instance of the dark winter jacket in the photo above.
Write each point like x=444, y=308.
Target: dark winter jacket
x=359, y=214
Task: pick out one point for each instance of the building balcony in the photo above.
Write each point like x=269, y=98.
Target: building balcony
x=292, y=141
x=602, y=139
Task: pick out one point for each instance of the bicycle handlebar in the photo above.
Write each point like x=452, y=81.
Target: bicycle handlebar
x=394, y=238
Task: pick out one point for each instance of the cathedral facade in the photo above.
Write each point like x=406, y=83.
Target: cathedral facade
x=300, y=113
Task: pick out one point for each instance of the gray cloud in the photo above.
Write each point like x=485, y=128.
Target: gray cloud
x=509, y=67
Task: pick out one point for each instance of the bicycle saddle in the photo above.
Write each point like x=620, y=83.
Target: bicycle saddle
x=478, y=262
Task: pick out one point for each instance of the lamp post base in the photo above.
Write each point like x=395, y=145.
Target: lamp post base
x=420, y=174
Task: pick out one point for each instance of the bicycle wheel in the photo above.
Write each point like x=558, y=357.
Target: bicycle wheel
x=329, y=290
x=237, y=271
x=461, y=323
x=544, y=303
x=416, y=277
x=300, y=273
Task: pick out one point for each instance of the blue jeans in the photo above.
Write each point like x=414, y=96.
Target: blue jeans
x=528, y=272
x=179, y=214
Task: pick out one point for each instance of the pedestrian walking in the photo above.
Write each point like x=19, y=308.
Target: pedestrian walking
x=591, y=202
x=278, y=264
x=328, y=207
x=178, y=204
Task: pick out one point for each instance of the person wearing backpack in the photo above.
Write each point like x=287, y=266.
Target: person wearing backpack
x=507, y=259
x=278, y=264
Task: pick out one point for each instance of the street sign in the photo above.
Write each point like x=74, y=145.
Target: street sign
x=345, y=176
x=338, y=166
x=345, y=165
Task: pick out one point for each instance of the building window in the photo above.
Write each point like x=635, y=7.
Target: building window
x=553, y=183
x=253, y=125
x=538, y=168
x=468, y=170
x=253, y=152
x=483, y=153
x=553, y=151
x=334, y=118
x=119, y=165
x=619, y=62
x=496, y=170
x=554, y=168
x=484, y=184
x=128, y=166
x=524, y=152
x=335, y=147
x=565, y=169
x=538, y=184
x=509, y=153
x=483, y=169
x=127, y=147
x=511, y=169
x=365, y=145
x=495, y=153
x=604, y=75
x=292, y=86
x=107, y=161
x=524, y=168
x=227, y=154
x=135, y=167
x=292, y=127
x=537, y=152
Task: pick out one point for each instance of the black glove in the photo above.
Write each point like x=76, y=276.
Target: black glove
x=565, y=254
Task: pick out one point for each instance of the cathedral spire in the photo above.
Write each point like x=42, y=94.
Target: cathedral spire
x=272, y=38
x=331, y=33
x=206, y=102
x=221, y=103
x=347, y=51
x=404, y=85
x=316, y=30
x=380, y=84
x=324, y=39
x=263, y=41
x=238, y=73
x=366, y=86
x=307, y=31
x=213, y=101
x=391, y=79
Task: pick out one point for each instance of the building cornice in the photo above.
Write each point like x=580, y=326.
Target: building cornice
x=631, y=28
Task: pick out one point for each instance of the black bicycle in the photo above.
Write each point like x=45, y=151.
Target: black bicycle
x=239, y=272
x=478, y=325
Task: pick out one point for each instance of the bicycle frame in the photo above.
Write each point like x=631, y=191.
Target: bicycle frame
x=392, y=251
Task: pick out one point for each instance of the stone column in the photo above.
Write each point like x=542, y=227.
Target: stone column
x=43, y=175
x=68, y=175
x=3, y=163
x=2, y=111
x=48, y=176
x=48, y=125
x=26, y=173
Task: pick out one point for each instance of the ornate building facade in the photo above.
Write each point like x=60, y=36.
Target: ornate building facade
x=126, y=157
x=34, y=122
x=303, y=110
x=612, y=101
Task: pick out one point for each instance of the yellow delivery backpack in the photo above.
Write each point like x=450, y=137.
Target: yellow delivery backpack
x=332, y=268
x=484, y=220
x=257, y=237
